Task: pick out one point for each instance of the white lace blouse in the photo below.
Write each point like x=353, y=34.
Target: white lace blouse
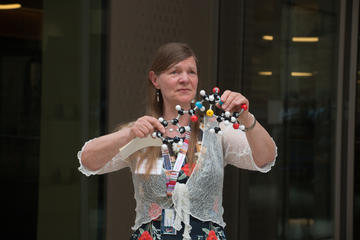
x=201, y=195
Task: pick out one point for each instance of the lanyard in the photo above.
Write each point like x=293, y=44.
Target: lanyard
x=172, y=173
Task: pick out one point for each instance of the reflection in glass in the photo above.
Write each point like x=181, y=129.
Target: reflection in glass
x=71, y=103
x=20, y=110
x=290, y=80
x=50, y=99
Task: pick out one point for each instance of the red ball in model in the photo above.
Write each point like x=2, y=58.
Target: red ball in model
x=216, y=90
x=244, y=106
x=194, y=118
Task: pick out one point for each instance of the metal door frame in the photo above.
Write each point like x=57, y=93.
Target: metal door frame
x=345, y=119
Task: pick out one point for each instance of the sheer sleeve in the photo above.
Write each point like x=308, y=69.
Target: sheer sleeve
x=116, y=163
x=237, y=151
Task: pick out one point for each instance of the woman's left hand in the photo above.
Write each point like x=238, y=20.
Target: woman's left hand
x=262, y=146
x=232, y=101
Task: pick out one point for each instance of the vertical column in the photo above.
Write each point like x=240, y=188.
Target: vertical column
x=351, y=119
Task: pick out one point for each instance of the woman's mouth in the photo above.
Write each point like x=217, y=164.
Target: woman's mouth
x=183, y=90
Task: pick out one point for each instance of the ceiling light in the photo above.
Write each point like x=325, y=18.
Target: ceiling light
x=265, y=73
x=10, y=6
x=301, y=74
x=268, y=37
x=305, y=39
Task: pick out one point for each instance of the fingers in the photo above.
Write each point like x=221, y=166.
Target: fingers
x=232, y=101
x=236, y=102
x=224, y=98
x=156, y=124
x=139, y=129
x=146, y=125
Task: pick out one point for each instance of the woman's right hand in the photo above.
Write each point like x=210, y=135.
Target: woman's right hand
x=146, y=125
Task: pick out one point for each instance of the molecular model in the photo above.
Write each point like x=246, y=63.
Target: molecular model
x=213, y=99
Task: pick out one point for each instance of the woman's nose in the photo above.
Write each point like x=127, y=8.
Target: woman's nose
x=184, y=77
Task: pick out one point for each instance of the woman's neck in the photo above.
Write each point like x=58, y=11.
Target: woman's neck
x=169, y=113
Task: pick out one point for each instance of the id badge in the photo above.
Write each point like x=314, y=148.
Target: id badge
x=167, y=221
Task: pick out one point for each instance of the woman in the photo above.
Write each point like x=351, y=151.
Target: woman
x=193, y=208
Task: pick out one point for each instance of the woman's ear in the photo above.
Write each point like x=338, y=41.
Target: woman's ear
x=153, y=78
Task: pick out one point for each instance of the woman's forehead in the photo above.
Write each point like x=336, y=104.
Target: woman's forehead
x=190, y=61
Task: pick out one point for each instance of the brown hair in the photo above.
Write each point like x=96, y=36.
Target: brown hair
x=166, y=56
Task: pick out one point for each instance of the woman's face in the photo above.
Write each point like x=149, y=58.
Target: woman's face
x=178, y=84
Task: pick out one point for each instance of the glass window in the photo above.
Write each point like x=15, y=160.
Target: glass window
x=283, y=60
x=51, y=67
x=20, y=111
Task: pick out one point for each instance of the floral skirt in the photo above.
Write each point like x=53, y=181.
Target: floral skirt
x=200, y=231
